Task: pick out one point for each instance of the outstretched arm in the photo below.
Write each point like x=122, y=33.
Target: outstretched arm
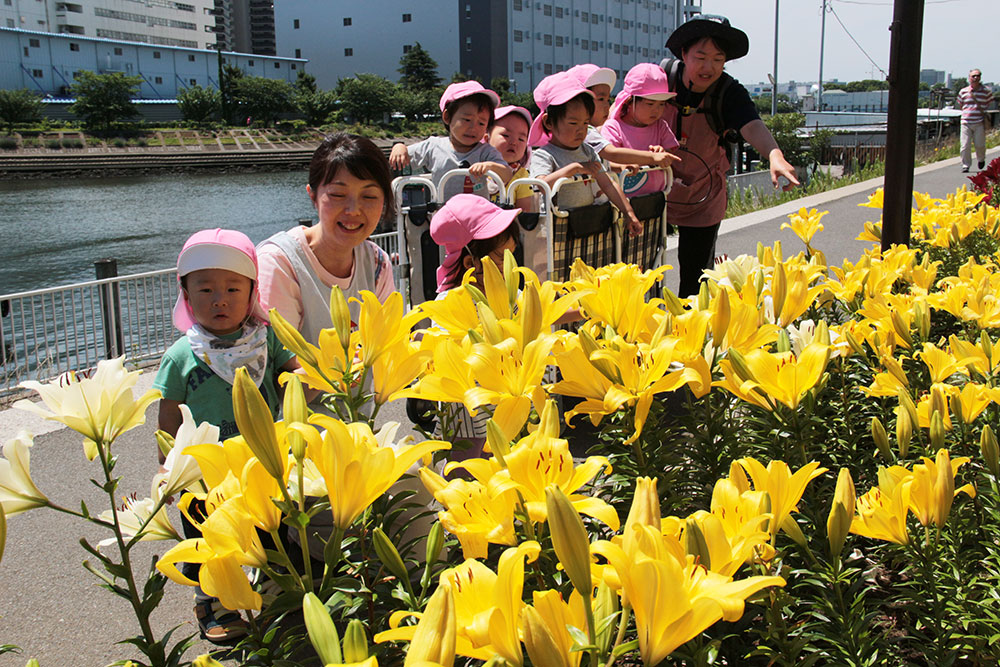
x=758, y=136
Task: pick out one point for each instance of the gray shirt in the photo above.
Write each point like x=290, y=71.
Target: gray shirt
x=438, y=156
x=551, y=158
x=596, y=140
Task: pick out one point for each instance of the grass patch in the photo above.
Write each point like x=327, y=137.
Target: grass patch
x=171, y=141
x=119, y=142
x=71, y=142
x=53, y=144
x=8, y=143
x=750, y=200
x=228, y=141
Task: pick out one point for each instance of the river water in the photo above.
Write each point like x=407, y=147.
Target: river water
x=52, y=231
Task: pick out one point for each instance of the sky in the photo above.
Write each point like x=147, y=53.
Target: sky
x=958, y=35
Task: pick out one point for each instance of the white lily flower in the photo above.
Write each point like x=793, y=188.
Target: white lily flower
x=183, y=470
x=100, y=407
x=18, y=492
x=134, y=513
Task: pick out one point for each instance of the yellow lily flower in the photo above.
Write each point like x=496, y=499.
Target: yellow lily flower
x=100, y=407
x=805, y=224
x=356, y=469
x=382, y=325
x=434, y=639
x=874, y=200
x=932, y=489
x=18, y=492
x=784, y=489
x=450, y=376
x=508, y=377
x=396, y=368
x=544, y=626
x=983, y=362
x=228, y=542
x=615, y=296
x=941, y=364
x=477, y=514
x=455, y=313
x=882, y=511
x=780, y=377
x=973, y=399
x=705, y=537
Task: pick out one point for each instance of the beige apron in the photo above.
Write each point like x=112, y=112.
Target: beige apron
x=692, y=181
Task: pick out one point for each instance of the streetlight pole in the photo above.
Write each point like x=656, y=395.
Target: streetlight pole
x=774, y=81
x=822, y=39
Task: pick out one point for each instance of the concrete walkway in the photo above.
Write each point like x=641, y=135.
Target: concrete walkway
x=52, y=608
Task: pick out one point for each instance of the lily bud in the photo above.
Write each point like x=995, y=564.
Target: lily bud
x=322, y=632
x=165, y=442
x=822, y=333
x=739, y=365
x=291, y=338
x=538, y=640
x=944, y=489
x=253, y=418
x=720, y=319
x=779, y=289
x=201, y=661
x=569, y=538
x=434, y=639
x=477, y=295
x=922, y=317
x=340, y=313
x=355, y=642
x=906, y=403
x=645, y=509
x=901, y=328
x=703, y=296
x=387, y=553
x=435, y=543
x=531, y=316
x=589, y=346
x=990, y=451
x=510, y=276
x=295, y=410
x=955, y=403
x=674, y=304
x=491, y=328
x=986, y=344
x=904, y=432
x=498, y=442
x=937, y=430
x=856, y=347
x=841, y=512
x=881, y=439
x=33, y=662
x=605, y=606
x=475, y=336
x=695, y=544
x=784, y=342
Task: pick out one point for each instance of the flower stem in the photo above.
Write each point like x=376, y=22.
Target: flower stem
x=622, y=627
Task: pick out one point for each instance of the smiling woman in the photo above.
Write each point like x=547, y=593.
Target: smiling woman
x=350, y=188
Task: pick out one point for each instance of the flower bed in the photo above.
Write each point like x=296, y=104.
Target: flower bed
x=797, y=465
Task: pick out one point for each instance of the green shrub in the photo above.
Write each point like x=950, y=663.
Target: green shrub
x=68, y=142
x=119, y=142
x=8, y=143
x=53, y=144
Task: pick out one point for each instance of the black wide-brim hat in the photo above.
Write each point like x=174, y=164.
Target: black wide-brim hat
x=733, y=41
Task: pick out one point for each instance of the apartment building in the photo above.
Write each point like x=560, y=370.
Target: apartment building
x=519, y=40
x=189, y=24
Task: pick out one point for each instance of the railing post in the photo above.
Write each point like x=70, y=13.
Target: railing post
x=111, y=308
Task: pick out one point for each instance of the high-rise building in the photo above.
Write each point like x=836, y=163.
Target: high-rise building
x=189, y=24
x=246, y=26
x=518, y=40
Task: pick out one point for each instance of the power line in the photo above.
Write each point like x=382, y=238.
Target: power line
x=836, y=16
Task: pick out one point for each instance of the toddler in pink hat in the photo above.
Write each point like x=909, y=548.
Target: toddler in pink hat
x=224, y=329
x=637, y=123
x=467, y=111
x=471, y=229
x=510, y=136
x=559, y=135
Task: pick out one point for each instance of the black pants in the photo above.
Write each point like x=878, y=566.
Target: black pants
x=695, y=253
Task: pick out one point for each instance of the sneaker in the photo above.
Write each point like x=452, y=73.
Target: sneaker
x=982, y=165
x=218, y=624
x=965, y=170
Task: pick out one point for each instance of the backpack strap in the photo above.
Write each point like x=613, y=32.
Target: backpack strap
x=711, y=104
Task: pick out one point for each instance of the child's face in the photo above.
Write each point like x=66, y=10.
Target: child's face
x=571, y=129
x=349, y=208
x=602, y=103
x=510, y=137
x=220, y=299
x=496, y=257
x=643, y=111
x=467, y=126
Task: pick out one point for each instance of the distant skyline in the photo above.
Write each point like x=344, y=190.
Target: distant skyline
x=958, y=35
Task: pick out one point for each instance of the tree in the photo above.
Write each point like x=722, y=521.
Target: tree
x=763, y=104
x=419, y=70
x=784, y=127
x=316, y=106
x=104, y=100
x=500, y=85
x=305, y=83
x=366, y=98
x=198, y=104
x=262, y=99
x=19, y=106
x=958, y=84
x=227, y=81
x=415, y=104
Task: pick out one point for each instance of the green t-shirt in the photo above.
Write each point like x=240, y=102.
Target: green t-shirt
x=185, y=378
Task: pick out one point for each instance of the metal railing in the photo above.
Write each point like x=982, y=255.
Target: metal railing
x=47, y=332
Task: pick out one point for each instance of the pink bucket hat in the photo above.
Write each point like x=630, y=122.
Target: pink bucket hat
x=216, y=249
x=457, y=91
x=592, y=75
x=465, y=218
x=643, y=80
x=554, y=89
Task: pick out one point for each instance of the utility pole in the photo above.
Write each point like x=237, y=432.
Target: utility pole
x=822, y=39
x=901, y=135
x=774, y=81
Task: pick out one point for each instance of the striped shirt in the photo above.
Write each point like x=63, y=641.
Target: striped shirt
x=974, y=103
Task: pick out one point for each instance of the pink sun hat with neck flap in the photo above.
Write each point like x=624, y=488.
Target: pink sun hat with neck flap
x=553, y=90
x=216, y=249
x=591, y=75
x=466, y=218
x=644, y=80
x=457, y=91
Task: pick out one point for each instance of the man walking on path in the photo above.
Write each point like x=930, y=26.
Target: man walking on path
x=973, y=100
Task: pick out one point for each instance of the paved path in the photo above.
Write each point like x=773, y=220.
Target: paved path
x=52, y=608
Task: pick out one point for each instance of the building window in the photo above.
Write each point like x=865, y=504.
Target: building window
x=118, y=51
x=585, y=44
x=191, y=58
x=277, y=65
x=547, y=10
x=249, y=62
x=593, y=46
x=37, y=73
x=559, y=40
x=294, y=66
x=158, y=79
x=468, y=43
x=73, y=46
x=407, y=47
x=295, y=24
x=618, y=23
x=409, y=17
x=518, y=6
x=194, y=82
x=10, y=23
x=468, y=11
x=547, y=40
x=298, y=54
x=548, y=68
x=518, y=66
x=34, y=43
x=559, y=12
x=518, y=36
x=618, y=48
x=347, y=20
x=593, y=19
x=584, y=16
x=156, y=54
x=348, y=52
x=26, y=52
x=7, y=2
